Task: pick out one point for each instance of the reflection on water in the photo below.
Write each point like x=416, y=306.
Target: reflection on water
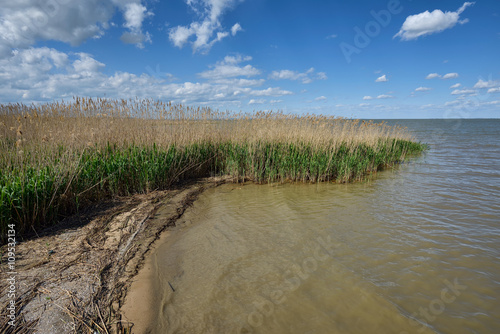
x=414, y=250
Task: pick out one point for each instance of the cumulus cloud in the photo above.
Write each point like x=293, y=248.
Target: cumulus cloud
x=320, y=98
x=463, y=92
x=486, y=84
x=41, y=74
x=422, y=89
x=257, y=101
x=427, y=23
x=239, y=82
x=494, y=90
x=432, y=76
x=450, y=76
x=321, y=76
x=235, y=28
x=134, y=14
x=382, y=78
x=87, y=65
x=455, y=86
x=44, y=74
x=380, y=97
x=230, y=68
x=271, y=91
x=444, y=77
x=23, y=23
x=208, y=25
x=17, y=72
x=306, y=77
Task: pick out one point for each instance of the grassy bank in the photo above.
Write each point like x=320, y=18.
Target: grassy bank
x=56, y=158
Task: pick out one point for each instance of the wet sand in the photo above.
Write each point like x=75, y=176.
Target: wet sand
x=77, y=274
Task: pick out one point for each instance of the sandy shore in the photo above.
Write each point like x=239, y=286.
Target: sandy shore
x=77, y=275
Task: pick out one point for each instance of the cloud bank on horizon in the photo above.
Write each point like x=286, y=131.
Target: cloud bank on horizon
x=233, y=54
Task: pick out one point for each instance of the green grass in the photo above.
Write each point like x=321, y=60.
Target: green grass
x=33, y=198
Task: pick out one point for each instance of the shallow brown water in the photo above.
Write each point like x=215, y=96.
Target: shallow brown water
x=413, y=250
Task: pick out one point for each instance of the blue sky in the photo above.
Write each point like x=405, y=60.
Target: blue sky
x=367, y=59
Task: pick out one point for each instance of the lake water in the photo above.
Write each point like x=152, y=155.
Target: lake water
x=415, y=249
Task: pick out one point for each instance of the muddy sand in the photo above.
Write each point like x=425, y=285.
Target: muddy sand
x=74, y=277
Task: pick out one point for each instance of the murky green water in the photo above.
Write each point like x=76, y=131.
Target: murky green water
x=414, y=250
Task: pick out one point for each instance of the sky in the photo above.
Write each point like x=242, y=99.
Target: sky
x=362, y=59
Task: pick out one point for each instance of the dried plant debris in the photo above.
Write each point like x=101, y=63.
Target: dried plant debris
x=75, y=279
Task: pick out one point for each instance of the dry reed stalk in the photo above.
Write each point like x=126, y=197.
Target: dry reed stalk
x=102, y=144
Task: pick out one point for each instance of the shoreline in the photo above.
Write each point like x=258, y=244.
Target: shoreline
x=78, y=277
x=83, y=273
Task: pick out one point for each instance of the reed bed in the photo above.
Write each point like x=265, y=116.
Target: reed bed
x=58, y=157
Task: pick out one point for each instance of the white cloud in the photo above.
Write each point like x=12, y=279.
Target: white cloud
x=320, y=98
x=87, y=65
x=322, y=76
x=450, y=76
x=382, y=78
x=235, y=28
x=427, y=23
x=17, y=72
x=203, y=30
x=257, y=101
x=134, y=14
x=422, y=89
x=23, y=23
x=494, y=90
x=455, y=86
x=463, y=92
x=180, y=35
x=380, y=97
x=472, y=104
x=486, y=84
x=306, y=77
x=236, y=59
x=275, y=101
x=238, y=82
x=432, y=76
x=444, y=77
x=43, y=74
x=271, y=91
x=229, y=68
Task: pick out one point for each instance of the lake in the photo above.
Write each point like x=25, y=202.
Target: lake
x=412, y=249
